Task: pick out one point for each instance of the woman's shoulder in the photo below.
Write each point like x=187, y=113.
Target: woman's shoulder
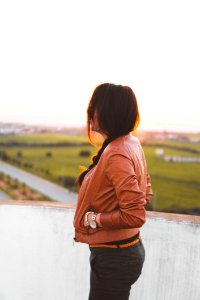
x=125, y=145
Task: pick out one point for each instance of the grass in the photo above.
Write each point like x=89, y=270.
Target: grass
x=64, y=160
x=44, y=138
x=18, y=190
x=178, y=144
x=176, y=186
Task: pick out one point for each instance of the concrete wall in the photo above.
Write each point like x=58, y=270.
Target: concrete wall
x=39, y=261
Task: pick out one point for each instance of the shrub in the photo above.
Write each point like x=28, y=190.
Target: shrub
x=85, y=153
x=26, y=165
x=24, y=185
x=18, y=154
x=67, y=181
x=14, y=183
x=8, y=179
x=48, y=154
x=3, y=155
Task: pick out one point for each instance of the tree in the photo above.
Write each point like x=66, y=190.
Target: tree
x=3, y=155
x=67, y=181
x=85, y=153
x=48, y=154
x=19, y=154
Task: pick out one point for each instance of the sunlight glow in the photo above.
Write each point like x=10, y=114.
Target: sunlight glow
x=54, y=53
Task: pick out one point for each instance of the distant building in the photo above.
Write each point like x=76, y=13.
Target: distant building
x=159, y=151
x=173, y=158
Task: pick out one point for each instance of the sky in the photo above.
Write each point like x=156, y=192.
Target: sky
x=54, y=53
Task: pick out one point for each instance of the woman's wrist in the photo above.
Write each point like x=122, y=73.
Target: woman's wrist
x=89, y=217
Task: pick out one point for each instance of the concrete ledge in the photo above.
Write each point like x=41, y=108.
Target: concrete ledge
x=37, y=203
x=150, y=214
x=39, y=261
x=174, y=217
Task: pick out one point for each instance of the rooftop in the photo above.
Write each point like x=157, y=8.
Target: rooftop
x=40, y=261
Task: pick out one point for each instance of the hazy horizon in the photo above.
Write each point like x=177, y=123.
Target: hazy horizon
x=63, y=123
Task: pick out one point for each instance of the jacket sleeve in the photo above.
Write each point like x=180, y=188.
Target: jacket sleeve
x=131, y=200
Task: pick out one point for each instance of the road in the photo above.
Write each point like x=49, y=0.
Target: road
x=51, y=190
x=4, y=196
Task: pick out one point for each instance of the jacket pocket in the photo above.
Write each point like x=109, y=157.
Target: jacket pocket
x=79, y=224
x=88, y=230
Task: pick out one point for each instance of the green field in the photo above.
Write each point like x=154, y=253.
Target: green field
x=176, y=186
x=45, y=138
x=64, y=160
x=176, y=144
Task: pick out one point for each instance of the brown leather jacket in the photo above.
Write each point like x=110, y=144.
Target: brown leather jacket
x=118, y=187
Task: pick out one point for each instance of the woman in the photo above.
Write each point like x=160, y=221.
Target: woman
x=114, y=191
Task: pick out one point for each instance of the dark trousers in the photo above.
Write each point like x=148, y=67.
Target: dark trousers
x=113, y=271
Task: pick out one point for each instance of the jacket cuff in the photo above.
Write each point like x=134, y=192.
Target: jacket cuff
x=106, y=220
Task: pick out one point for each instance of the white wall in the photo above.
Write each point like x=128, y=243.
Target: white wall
x=39, y=262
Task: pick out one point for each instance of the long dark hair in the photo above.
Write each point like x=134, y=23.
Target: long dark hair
x=117, y=113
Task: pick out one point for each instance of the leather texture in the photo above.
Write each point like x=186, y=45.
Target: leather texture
x=119, y=188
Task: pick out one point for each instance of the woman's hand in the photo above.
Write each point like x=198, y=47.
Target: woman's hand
x=89, y=218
